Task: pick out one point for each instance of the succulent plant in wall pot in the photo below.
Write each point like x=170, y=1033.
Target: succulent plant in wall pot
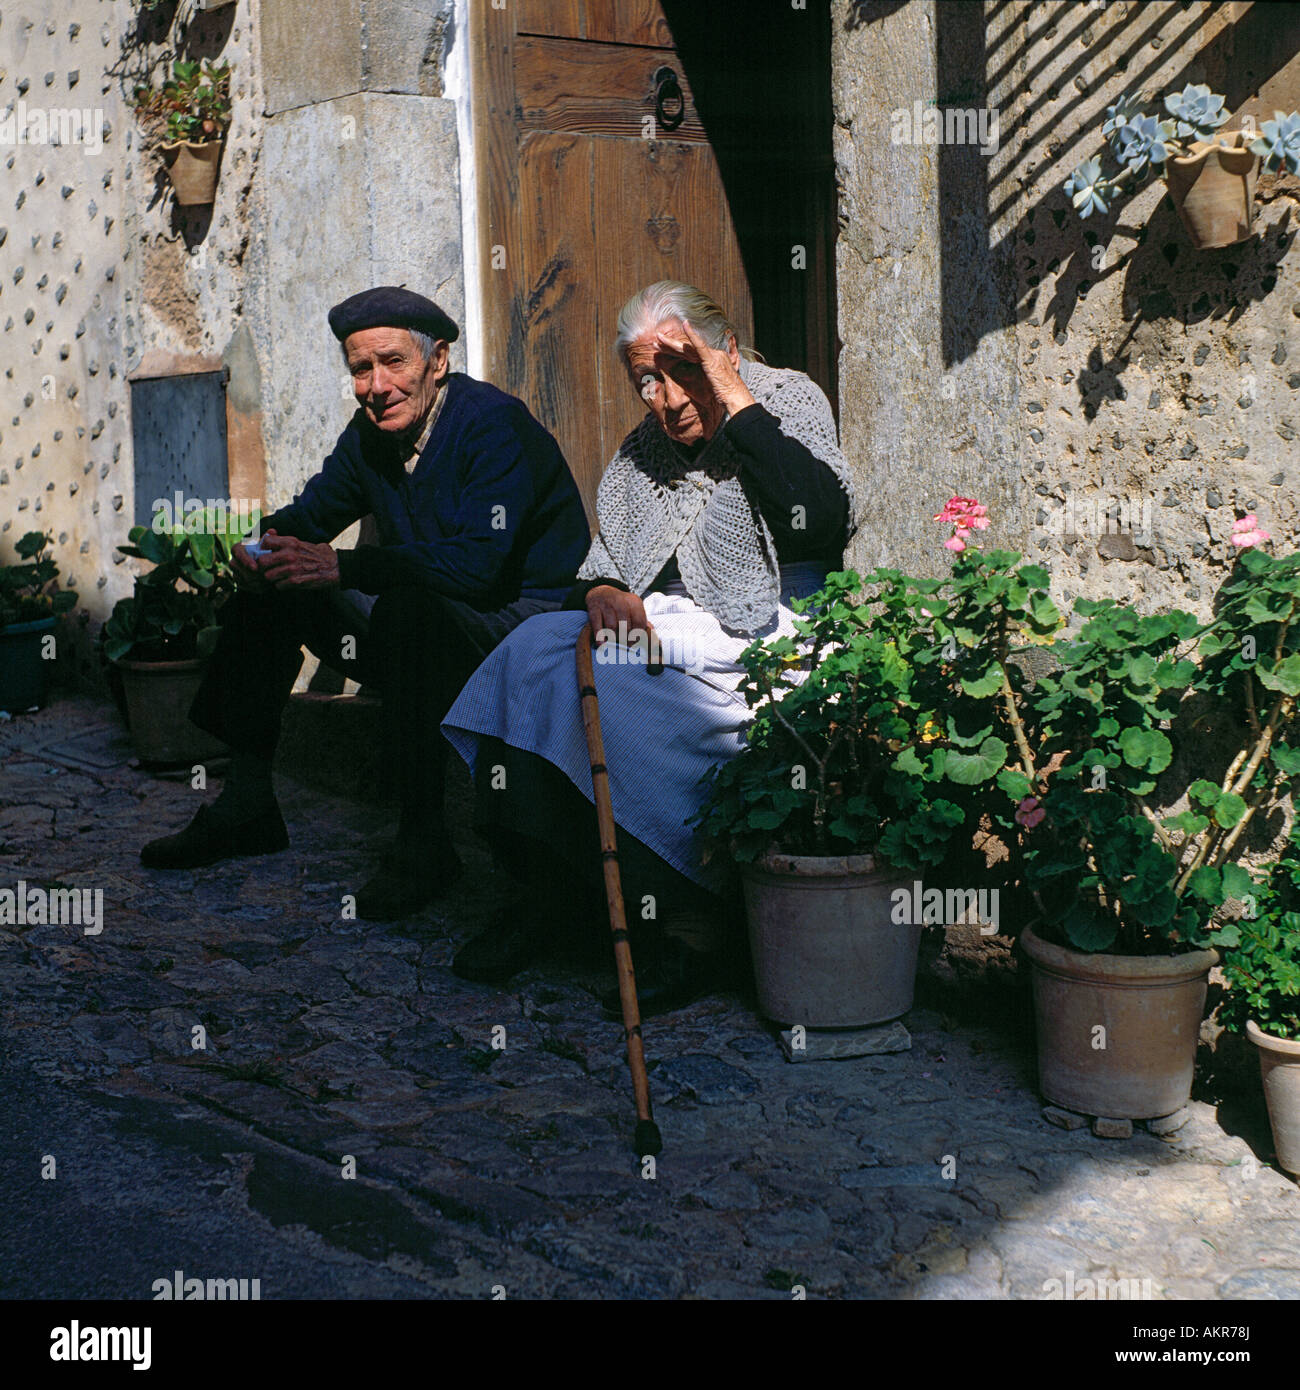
x=1210, y=172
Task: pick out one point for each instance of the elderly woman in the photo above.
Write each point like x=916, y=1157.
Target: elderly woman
x=728, y=500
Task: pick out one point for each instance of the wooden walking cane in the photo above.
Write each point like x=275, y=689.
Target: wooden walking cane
x=648, y=1139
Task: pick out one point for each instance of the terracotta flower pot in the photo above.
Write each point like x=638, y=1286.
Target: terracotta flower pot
x=1213, y=189
x=826, y=952
x=1279, y=1068
x=158, y=698
x=193, y=170
x=1117, y=1035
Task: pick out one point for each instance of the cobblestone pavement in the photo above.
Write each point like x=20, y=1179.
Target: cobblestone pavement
x=479, y=1167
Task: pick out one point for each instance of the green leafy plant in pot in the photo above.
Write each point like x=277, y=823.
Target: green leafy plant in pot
x=1128, y=896
x=189, y=116
x=868, y=768
x=1261, y=968
x=30, y=606
x=157, y=640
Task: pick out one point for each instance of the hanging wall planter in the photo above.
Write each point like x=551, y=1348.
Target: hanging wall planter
x=1211, y=173
x=193, y=170
x=190, y=117
x=1213, y=188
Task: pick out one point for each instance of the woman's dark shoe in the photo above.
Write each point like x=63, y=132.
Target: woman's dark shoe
x=677, y=977
x=401, y=888
x=510, y=944
x=209, y=838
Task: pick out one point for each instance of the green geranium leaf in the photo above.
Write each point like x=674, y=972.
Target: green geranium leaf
x=1229, y=809
x=1146, y=749
x=1088, y=930
x=1237, y=883
x=1284, y=677
x=1206, y=792
x=1035, y=576
x=987, y=684
x=1186, y=823
x=1206, y=884
x=1014, y=783
x=969, y=769
x=1287, y=759
x=908, y=762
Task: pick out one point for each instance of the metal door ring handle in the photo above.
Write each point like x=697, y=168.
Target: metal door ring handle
x=669, y=94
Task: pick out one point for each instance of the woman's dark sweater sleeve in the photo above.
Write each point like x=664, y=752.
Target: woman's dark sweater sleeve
x=779, y=475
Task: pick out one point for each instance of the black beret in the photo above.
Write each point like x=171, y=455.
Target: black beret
x=389, y=306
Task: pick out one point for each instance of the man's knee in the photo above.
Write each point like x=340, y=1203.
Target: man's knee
x=409, y=610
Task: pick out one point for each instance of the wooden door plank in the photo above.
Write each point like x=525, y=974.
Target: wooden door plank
x=628, y=21
x=496, y=155
x=560, y=284
x=600, y=89
x=562, y=19
x=685, y=233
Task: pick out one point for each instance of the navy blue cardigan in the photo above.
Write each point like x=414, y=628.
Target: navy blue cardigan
x=489, y=514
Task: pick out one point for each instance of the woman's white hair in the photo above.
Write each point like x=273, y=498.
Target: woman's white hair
x=671, y=299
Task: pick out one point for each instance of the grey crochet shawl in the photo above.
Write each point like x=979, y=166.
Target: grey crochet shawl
x=655, y=501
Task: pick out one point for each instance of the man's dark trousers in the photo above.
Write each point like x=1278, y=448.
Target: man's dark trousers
x=417, y=646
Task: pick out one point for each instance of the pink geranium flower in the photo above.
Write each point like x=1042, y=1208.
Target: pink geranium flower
x=1246, y=531
x=965, y=515
x=1030, y=813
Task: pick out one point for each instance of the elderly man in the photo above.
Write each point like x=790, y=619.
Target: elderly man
x=480, y=526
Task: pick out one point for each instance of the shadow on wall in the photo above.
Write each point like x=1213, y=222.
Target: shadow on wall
x=981, y=277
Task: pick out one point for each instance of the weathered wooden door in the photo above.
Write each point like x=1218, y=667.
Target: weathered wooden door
x=595, y=179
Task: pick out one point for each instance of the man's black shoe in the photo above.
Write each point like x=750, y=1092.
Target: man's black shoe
x=679, y=976
x=208, y=839
x=511, y=944
x=399, y=888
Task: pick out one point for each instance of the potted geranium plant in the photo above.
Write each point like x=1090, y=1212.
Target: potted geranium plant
x=158, y=639
x=1210, y=173
x=189, y=116
x=879, y=750
x=1129, y=897
x=1261, y=967
x=29, y=611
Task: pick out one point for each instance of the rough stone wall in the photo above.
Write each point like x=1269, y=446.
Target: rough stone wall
x=996, y=346
x=64, y=291
x=340, y=170
x=1151, y=373
x=916, y=426
x=361, y=164
x=98, y=269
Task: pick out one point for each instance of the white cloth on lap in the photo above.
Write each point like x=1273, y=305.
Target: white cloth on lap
x=662, y=733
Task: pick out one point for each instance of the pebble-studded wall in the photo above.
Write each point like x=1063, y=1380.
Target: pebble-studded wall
x=1114, y=395
x=99, y=268
x=1158, y=383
